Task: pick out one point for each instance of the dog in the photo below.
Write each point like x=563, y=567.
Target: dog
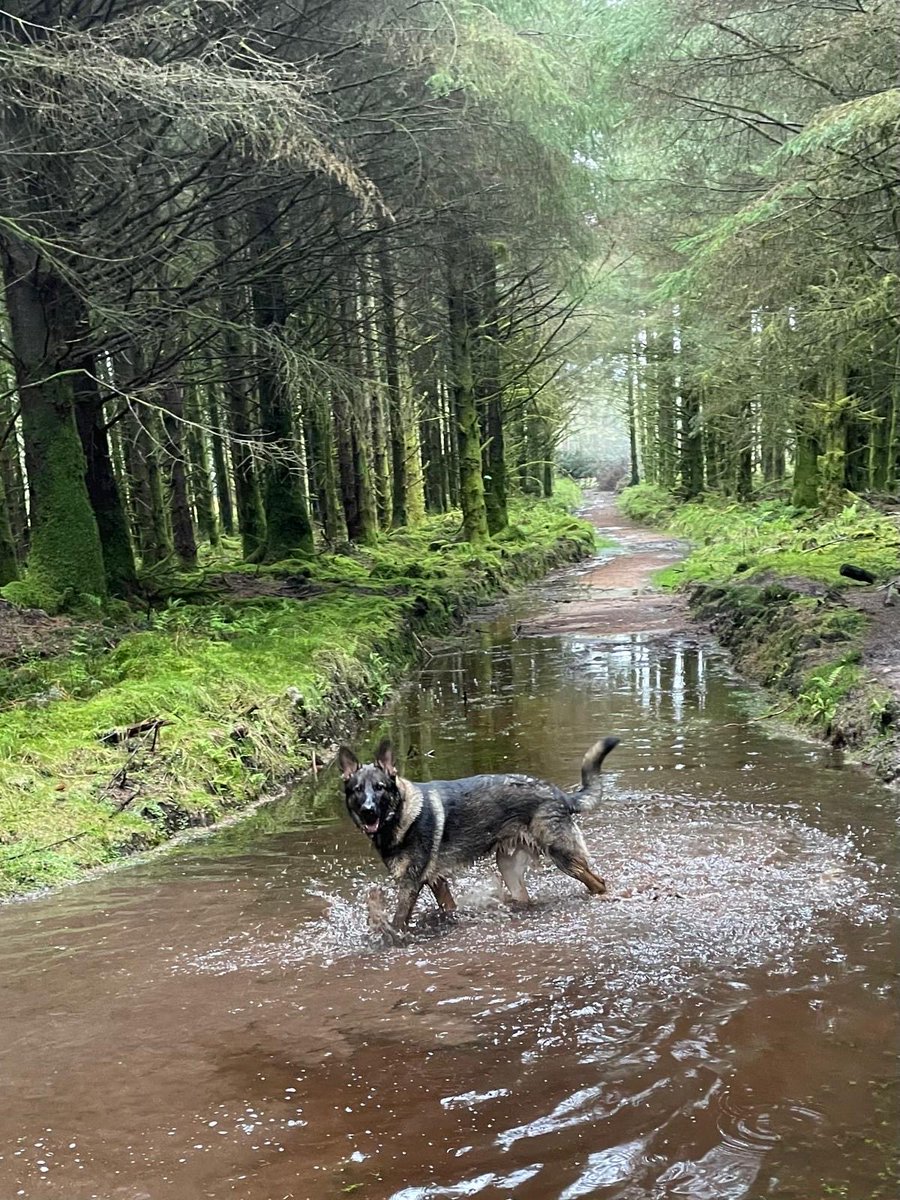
x=424, y=830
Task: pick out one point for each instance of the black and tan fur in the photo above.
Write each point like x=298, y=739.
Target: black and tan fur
x=423, y=831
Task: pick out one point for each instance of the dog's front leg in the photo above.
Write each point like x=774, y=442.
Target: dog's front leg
x=406, y=902
x=396, y=931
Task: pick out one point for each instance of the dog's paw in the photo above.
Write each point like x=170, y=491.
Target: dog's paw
x=389, y=937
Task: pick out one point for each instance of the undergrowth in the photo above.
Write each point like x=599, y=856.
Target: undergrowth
x=731, y=540
x=764, y=576
x=250, y=683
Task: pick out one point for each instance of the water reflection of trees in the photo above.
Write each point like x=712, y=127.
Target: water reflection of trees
x=534, y=704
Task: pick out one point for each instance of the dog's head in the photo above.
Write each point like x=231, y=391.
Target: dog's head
x=373, y=798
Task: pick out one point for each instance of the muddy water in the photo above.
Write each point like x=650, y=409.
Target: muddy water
x=215, y=1024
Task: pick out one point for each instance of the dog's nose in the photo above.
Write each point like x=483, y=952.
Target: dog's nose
x=369, y=810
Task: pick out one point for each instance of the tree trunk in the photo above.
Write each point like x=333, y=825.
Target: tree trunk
x=66, y=558
x=343, y=432
x=237, y=391
x=451, y=460
x=745, y=440
x=333, y=519
x=220, y=463
x=804, y=493
x=288, y=527
x=182, y=523
x=894, y=448
x=200, y=478
x=9, y=563
x=381, y=475
x=399, y=471
x=532, y=466
x=102, y=487
x=858, y=434
x=832, y=462
x=715, y=475
x=357, y=403
x=665, y=403
x=647, y=425
x=635, y=476
x=425, y=387
x=691, y=442
x=147, y=487
x=489, y=390
x=462, y=321
x=11, y=477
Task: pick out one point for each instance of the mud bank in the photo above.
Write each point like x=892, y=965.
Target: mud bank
x=113, y=742
x=767, y=581
x=835, y=660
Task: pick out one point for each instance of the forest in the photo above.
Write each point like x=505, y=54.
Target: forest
x=307, y=307
x=275, y=274
x=295, y=274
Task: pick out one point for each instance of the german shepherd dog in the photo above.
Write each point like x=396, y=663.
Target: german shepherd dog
x=424, y=830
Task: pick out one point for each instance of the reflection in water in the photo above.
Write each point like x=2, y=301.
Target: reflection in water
x=216, y=1023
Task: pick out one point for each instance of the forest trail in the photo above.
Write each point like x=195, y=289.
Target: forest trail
x=617, y=596
x=216, y=1023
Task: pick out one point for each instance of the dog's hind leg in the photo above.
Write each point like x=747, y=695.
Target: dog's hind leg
x=512, y=864
x=570, y=855
x=440, y=889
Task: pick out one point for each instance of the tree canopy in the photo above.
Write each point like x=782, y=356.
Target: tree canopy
x=298, y=273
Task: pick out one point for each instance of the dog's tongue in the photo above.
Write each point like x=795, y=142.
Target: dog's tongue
x=372, y=828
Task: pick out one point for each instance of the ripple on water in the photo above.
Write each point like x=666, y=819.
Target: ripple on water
x=691, y=885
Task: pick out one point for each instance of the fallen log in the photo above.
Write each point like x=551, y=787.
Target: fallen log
x=113, y=737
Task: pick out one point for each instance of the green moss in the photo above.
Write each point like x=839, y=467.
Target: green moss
x=65, y=558
x=763, y=577
x=249, y=687
x=648, y=502
x=30, y=593
x=731, y=540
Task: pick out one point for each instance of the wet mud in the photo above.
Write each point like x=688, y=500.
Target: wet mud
x=218, y=1024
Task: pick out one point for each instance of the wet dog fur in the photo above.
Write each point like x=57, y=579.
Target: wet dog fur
x=423, y=831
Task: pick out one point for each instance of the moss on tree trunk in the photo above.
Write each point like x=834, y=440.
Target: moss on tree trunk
x=65, y=559
x=9, y=563
x=103, y=489
x=288, y=527
x=399, y=470
x=489, y=389
x=462, y=318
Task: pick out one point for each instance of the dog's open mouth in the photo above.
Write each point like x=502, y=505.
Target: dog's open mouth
x=373, y=828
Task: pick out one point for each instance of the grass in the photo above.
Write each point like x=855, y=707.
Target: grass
x=731, y=540
x=748, y=565
x=250, y=687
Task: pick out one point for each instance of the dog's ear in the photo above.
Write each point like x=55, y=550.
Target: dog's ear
x=348, y=762
x=384, y=757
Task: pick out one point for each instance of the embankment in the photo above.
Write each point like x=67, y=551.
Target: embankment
x=766, y=579
x=115, y=737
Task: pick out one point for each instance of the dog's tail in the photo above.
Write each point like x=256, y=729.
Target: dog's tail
x=590, y=770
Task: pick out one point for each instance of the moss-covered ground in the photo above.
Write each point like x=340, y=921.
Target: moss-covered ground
x=254, y=672
x=766, y=578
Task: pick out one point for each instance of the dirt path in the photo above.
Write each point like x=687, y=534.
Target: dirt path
x=618, y=598
x=882, y=648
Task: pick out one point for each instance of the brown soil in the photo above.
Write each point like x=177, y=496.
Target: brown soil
x=882, y=649
x=30, y=633
x=243, y=585
x=618, y=597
